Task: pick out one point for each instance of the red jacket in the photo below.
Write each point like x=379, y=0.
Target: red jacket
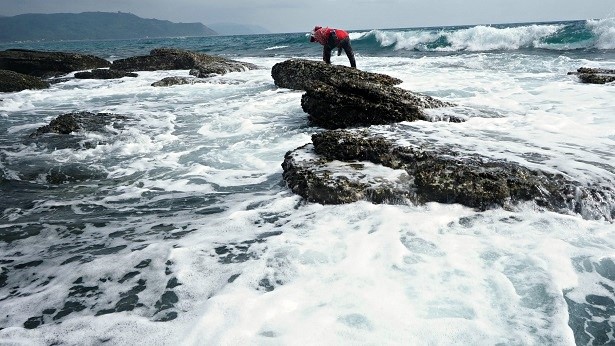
x=321, y=35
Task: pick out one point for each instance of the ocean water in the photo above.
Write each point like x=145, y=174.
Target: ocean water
x=175, y=227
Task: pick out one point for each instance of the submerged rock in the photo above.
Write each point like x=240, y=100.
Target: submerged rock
x=170, y=81
x=48, y=64
x=176, y=59
x=101, y=73
x=11, y=81
x=344, y=166
x=79, y=121
x=341, y=97
x=594, y=75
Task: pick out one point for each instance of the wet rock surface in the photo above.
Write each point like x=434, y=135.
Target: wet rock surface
x=170, y=81
x=11, y=81
x=342, y=97
x=594, y=75
x=48, y=64
x=300, y=74
x=100, y=73
x=344, y=166
x=176, y=59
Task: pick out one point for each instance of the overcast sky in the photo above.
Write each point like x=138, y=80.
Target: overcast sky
x=302, y=15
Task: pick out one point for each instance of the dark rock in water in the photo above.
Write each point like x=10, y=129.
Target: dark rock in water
x=341, y=97
x=167, y=316
x=11, y=81
x=170, y=81
x=176, y=59
x=316, y=179
x=100, y=73
x=68, y=308
x=357, y=104
x=595, y=70
x=592, y=78
x=594, y=75
x=344, y=166
x=48, y=64
x=33, y=322
x=69, y=131
x=3, y=276
x=299, y=74
x=200, y=74
x=79, y=121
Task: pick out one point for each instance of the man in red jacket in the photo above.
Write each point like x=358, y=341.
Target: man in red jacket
x=330, y=39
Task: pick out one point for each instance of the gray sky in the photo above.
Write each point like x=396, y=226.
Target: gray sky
x=302, y=15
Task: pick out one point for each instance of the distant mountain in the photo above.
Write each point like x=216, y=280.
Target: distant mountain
x=238, y=29
x=93, y=26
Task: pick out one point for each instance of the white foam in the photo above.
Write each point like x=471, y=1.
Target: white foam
x=485, y=38
x=605, y=30
x=477, y=38
x=276, y=47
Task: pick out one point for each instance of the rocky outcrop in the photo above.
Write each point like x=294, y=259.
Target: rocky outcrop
x=342, y=97
x=594, y=75
x=11, y=81
x=48, y=64
x=170, y=81
x=176, y=59
x=101, y=73
x=344, y=166
x=299, y=74
x=79, y=121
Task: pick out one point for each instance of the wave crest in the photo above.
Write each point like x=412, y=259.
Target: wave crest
x=604, y=30
x=591, y=34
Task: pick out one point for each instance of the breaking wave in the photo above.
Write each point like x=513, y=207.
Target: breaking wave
x=591, y=34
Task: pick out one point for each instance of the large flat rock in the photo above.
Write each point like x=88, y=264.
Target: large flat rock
x=48, y=64
x=344, y=166
x=594, y=75
x=177, y=59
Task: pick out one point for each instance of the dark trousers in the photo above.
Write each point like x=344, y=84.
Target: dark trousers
x=345, y=45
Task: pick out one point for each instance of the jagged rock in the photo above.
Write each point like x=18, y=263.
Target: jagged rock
x=78, y=121
x=170, y=81
x=594, y=75
x=11, y=81
x=176, y=59
x=48, y=64
x=341, y=97
x=344, y=166
x=101, y=73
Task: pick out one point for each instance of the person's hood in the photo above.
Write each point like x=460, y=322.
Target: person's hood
x=316, y=28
